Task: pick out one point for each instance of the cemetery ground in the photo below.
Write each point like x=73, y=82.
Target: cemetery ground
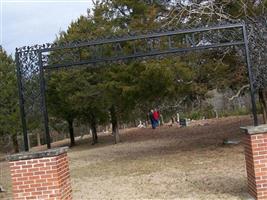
x=166, y=163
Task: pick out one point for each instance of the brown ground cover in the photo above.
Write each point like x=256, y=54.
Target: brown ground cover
x=166, y=163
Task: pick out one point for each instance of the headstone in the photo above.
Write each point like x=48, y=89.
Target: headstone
x=2, y=189
x=183, y=122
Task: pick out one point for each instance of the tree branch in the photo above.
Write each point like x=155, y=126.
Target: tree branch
x=238, y=92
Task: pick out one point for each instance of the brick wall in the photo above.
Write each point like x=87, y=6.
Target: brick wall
x=256, y=164
x=41, y=178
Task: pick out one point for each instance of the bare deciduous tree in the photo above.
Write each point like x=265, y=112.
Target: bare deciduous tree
x=192, y=13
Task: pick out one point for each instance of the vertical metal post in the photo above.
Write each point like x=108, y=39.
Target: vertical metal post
x=21, y=104
x=43, y=101
x=251, y=79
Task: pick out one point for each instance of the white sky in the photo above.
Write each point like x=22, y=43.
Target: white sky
x=29, y=22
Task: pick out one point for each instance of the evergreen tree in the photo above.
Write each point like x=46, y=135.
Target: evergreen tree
x=60, y=91
x=9, y=109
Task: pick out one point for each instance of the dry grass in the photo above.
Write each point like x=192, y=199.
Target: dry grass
x=166, y=163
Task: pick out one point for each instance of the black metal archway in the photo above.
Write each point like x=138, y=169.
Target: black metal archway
x=32, y=62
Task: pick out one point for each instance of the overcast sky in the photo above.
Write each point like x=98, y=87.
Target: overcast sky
x=29, y=22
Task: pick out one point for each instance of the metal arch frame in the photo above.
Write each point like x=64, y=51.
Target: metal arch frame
x=39, y=55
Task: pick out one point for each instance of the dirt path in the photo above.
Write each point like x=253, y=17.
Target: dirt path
x=167, y=163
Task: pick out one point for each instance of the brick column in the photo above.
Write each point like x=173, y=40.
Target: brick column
x=256, y=160
x=41, y=175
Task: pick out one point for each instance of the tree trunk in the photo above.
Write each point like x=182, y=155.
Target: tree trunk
x=162, y=119
x=94, y=131
x=263, y=102
x=15, y=143
x=38, y=138
x=172, y=118
x=114, y=122
x=71, y=132
x=110, y=128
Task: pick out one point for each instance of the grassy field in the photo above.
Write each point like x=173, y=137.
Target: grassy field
x=166, y=163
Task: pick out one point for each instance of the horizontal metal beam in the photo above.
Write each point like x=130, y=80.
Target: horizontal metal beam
x=148, y=54
x=146, y=36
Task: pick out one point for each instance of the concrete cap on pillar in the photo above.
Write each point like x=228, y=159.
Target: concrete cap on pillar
x=39, y=154
x=251, y=130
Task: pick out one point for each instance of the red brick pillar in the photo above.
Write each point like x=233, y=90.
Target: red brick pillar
x=256, y=160
x=41, y=175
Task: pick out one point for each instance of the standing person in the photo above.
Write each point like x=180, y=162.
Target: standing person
x=151, y=117
x=156, y=117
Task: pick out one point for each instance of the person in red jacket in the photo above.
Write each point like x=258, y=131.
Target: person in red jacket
x=156, y=117
x=152, y=119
